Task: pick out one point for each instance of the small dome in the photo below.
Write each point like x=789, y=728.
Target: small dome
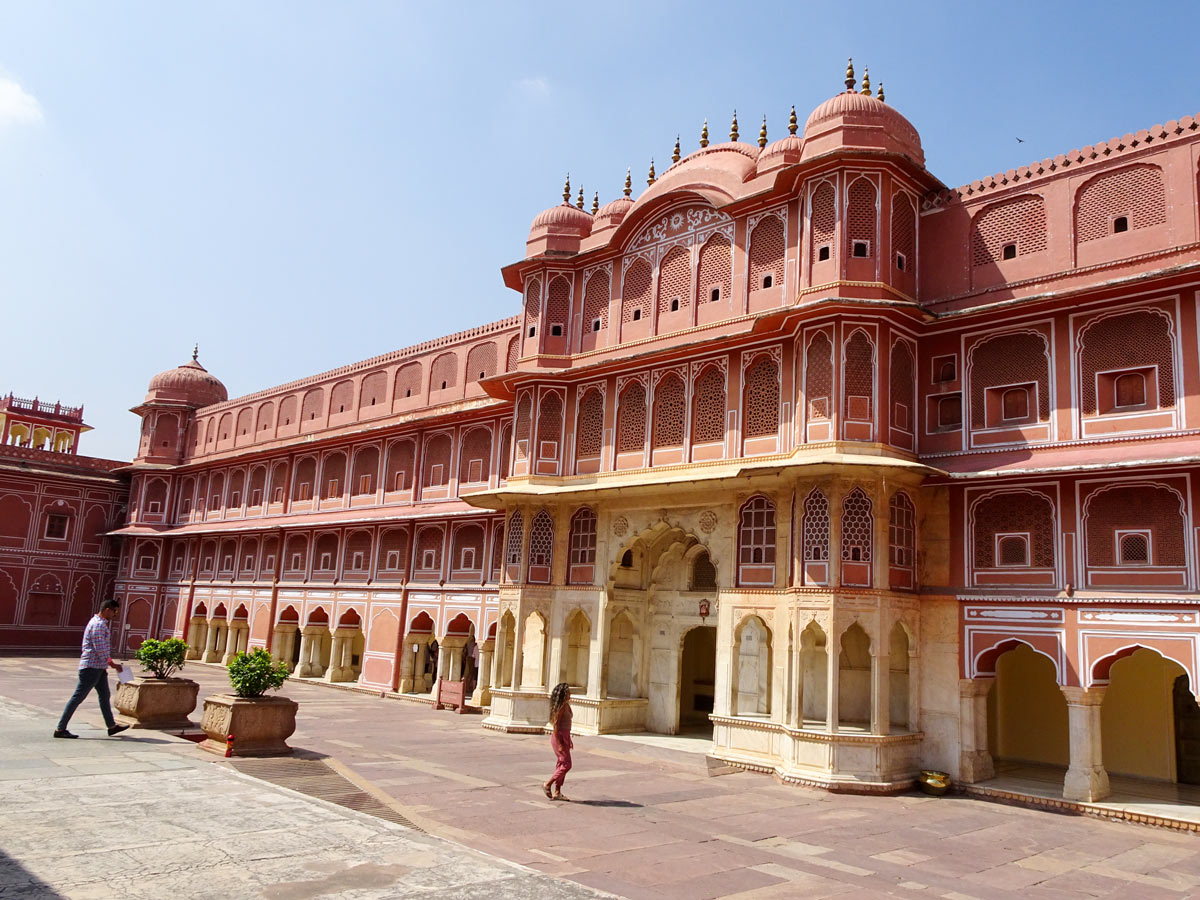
x=864, y=121
x=562, y=219
x=190, y=383
x=611, y=214
x=718, y=156
x=780, y=153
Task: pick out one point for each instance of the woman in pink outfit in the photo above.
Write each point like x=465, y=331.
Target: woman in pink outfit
x=560, y=739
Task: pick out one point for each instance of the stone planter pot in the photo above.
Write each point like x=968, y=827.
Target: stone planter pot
x=260, y=726
x=161, y=703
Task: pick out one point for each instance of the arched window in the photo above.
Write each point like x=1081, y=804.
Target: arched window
x=515, y=535
x=524, y=427
x=766, y=254
x=674, y=282
x=1008, y=229
x=1013, y=528
x=859, y=379
x=857, y=538
x=904, y=233
x=860, y=219
x=713, y=281
x=670, y=411
x=902, y=384
x=481, y=362
x=902, y=541
x=631, y=418
x=541, y=548
x=474, y=461
x=1127, y=360
x=815, y=534
x=823, y=221
x=756, y=543
x=761, y=403
x=583, y=547
x=708, y=406
x=437, y=462
x=533, y=311
x=549, y=425
x=1135, y=524
x=635, y=296
x=704, y=573
x=997, y=365
x=595, y=310
x=818, y=376
x=589, y=434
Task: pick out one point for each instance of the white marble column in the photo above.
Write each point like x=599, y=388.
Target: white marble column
x=1086, y=778
x=482, y=696
x=833, y=647
x=880, y=690
x=210, y=643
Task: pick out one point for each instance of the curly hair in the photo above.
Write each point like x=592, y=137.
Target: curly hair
x=558, y=699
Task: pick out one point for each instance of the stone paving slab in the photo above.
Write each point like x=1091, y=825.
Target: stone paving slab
x=104, y=817
x=655, y=825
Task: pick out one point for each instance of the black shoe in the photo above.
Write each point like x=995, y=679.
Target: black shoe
x=116, y=729
x=63, y=733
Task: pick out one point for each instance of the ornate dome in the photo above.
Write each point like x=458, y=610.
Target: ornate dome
x=563, y=219
x=855, y=119
x=189, y=383
x=781, y=152
x=611, y=214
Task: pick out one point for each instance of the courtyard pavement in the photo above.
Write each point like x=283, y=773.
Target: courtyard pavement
x=645, y=820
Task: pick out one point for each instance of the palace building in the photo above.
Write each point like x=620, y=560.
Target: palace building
x=859, y=472
x=56, y=508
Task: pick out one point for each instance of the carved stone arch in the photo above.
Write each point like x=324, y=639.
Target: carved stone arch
x=1099, y=671
x=984, y=662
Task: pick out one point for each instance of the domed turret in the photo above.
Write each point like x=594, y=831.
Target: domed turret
x=855, y=119
x=559, y=228
x=189, y=383
x=782, y=152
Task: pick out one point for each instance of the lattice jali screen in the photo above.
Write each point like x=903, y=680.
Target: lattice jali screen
x=443, y=372
x=595, y=302
x=497, y=552
x=1135, y=192
x=1126, y=341
x=514, y=353
x=533, y=303
x=558, y=304
x=589, y=439
x=756, y=533
x=901, y=531
x=481, y=361
x=476, y=448
x=818, y=377
x=1014, y=512
x=704, y=573
x=708, y=406
x=904, y=228
x=429, y=548
x=550, y=418
x=437, y=461
x=859, y=377
x=631, y=418
x=715, y=266
x=857, y=527
x=541, y=540
x=1009, y=359
x=670, y=410
x=823, y=218
x=1144, y=507
x=515, y=535
x=505, y=449
x=400, y=460
x=861, y=213
x=524, y=424
x=760, y=407
x=393, y=541
x=635, y=292
x=766, y=252
x=816, y=527
x=1021, y=220
x=902, y=384
x=468, y=538
x=675, y=280
x=583, y=537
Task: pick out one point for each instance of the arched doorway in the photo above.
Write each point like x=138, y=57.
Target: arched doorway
x=1187, y=732
x=697, y=679
x=1027, y=712
x=1149, y=721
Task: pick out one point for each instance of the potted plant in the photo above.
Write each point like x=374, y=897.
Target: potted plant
x=247, y=722
x=158, y=700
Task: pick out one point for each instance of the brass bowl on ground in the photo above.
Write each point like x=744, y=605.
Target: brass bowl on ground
x=933, y=782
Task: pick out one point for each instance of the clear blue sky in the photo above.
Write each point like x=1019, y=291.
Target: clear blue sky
x=298, y=185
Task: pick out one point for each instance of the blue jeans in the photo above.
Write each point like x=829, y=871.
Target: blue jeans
x=88, y=679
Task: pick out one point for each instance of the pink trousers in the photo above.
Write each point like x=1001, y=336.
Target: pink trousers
x=562, y=756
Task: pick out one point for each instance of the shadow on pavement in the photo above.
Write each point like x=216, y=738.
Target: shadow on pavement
x=17, y=881
x=619, y=804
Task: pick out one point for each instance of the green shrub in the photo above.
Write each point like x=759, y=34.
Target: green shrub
x=253, y=674
x=162, y=658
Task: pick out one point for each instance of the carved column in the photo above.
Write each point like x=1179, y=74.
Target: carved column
x=880, y=688
x=482, y=696
x=1086, y=778
x=974, y=760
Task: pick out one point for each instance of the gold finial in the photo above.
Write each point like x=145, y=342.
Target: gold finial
x=704, y=134
x=567, y=189
x=879, y=93
x=675, y=152
x=628, y=183
x=866, y=88
x=595, y=203
x=579, y=199
x=850, y=74
x=196, y=353
x=762, y=133
x=792, y=122
x=651, y=177
x=733, y=129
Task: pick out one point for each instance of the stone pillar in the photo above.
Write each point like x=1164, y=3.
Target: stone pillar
x=833, y=648
x=305, y=649
x=974, y=760
x=881, y=538
x=836, y=493
x=1086, y=778
x=880, y=690
x=197, y=636
x=795, y=702
x=408, y=659
x=339, y=657
x=518, y=648
x=482, y=696
x=597, y=670
x=210, y=643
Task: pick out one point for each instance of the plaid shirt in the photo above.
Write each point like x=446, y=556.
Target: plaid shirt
x=97, y=646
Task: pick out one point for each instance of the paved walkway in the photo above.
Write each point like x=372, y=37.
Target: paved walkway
x=649, y=822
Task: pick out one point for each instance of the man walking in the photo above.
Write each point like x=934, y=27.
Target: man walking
x=97, y=656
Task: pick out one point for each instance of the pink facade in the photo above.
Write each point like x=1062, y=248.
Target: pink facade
x=877, y=399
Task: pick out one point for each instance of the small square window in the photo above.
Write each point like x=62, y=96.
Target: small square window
x=714, y=295
x=429, y=559
x=56, y=527
x=333, y=489
x=364, y=484
x=945, y=369
x=392, y=560
x=356, y=561
x=1012, y=550
x=235, y=499
x=255, y=497
x=1133, y=548
x=901, y=262
x=295, y=561
x=949, y=412
x=278, y=496
x=768, y=280
x=467, y=559
x=326, y=561
x=595, y=324
x=556, y=331
x=532, y=330
x=1009, y=251
x=675, y=304
x=823, y=253
x=637, y=315
x=146, y=563
x=862, y=249
x=1120, y=223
